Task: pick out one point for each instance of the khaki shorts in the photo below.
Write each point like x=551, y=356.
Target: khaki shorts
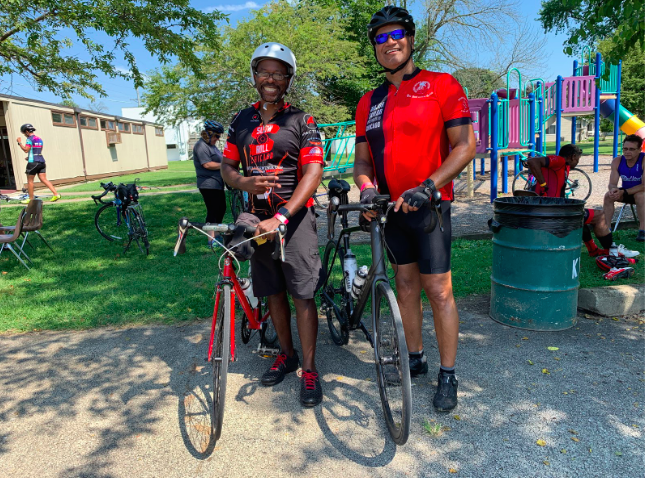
x=301, y=272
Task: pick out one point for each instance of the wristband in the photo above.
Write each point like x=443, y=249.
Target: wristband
x=367, y=185
x=281, y=218
x=284, y=212
x=543, y=184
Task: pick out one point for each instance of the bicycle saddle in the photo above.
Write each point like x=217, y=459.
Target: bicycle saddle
x=337, y=187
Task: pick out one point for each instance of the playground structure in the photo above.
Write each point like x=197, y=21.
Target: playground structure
x=510, y=124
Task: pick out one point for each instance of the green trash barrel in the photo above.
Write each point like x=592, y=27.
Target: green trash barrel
x=536, y=262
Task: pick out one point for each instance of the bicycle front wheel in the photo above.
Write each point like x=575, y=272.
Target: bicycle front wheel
x=220, y=358
x=578, y=185
x=237, y=204
x=109, y=224
x=139, y=230
x=392, y=364
x=334, y=297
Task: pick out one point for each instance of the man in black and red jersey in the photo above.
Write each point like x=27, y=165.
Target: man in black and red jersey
x=280, y=149
x=413, y=136
x=551, y=173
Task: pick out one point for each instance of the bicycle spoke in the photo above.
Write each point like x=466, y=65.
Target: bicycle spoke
x=334, y=298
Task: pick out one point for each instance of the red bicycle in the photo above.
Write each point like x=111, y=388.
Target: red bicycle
x=221, y=346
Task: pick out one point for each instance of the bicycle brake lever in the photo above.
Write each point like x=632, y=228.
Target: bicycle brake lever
x=278, y=252
x=436, y=202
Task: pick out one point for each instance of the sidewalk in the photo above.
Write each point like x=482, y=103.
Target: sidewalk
x=123, y=403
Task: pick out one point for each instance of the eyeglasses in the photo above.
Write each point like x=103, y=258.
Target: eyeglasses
x=395, y=34
x=265, y=75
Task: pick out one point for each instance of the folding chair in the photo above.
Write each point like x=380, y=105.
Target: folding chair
x=33, y=222
x=6, y=240
x=620, y=215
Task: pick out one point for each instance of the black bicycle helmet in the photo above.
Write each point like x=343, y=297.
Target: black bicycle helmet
x=386, y=16
x=213, y=126
x=27, y=127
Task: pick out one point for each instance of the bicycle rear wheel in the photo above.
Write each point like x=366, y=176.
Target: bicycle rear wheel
x=109, y=224
x=139, y=230
x=392, y=364
x=220, y=358
x=578, y=185
x=334, y=296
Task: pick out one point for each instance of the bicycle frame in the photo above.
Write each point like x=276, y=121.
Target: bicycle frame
x=376, y=274
x=229, y=277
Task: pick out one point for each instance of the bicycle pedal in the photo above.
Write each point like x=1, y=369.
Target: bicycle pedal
x=268, y=351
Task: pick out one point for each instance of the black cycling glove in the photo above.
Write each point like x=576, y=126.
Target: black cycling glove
x=419, y=196
x=368, y=195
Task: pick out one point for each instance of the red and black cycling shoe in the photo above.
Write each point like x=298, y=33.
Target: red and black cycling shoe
x=310, y=389
x=622, y=273
x=282, y=366
x=599, y=252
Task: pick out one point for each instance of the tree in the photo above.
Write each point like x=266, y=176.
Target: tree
x=479, y=81
x=588, y=21
x=69, y=102
x=316, y=35
x=36, y=39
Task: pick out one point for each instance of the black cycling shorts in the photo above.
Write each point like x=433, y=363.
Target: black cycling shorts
x=302, y=270
x=407, y=243
x=35, y=167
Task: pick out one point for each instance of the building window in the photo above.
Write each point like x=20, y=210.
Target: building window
x=88, y=122
x=551, y=129
x=63, y=119
x=137, y=128
x=158, y=131
x=171, y=146
x=107, y=125
x=124, y=127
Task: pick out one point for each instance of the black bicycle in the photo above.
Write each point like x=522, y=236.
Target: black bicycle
x=122, y=218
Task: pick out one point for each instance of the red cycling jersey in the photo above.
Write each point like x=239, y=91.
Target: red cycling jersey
x=405, y=129
x=281, y=147
x=555, y=174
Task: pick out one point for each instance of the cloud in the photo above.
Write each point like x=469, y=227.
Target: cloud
x=233, y=8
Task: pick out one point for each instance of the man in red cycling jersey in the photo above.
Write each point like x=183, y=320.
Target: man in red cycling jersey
x=551, y=173
x=280, y=149
x=414, y=135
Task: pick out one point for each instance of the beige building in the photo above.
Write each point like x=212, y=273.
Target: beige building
x=79, y=145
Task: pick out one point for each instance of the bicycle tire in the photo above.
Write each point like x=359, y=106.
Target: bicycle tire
x=337, y=310
x=220, y=358
x=522, y=179
x=140, y=231
x=392, y=364
x=237, y=204
x=578, y=185
x=105, y=222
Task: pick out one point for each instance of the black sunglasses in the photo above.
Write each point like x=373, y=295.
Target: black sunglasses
x=395, y=34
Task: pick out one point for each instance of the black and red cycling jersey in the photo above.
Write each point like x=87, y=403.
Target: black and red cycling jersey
x=281, y=147
x=405, y=129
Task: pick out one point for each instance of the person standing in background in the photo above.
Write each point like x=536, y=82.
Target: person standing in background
x=35, y=162
x=208, y=159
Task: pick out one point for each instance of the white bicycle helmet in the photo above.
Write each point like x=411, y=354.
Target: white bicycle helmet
x=276, y=51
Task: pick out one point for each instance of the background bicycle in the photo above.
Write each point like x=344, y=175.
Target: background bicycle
x=577, y=185
x=230, y=291
x=122, y=218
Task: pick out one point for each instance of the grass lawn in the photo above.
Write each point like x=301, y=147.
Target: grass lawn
x=88, y=282
x=178, y=172
x=605, y=147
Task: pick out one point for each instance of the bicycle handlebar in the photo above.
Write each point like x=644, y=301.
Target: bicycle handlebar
x=381, y=203
x=227, y=229
x=107, y=188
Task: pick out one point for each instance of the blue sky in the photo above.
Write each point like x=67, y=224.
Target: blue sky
x=121, y=93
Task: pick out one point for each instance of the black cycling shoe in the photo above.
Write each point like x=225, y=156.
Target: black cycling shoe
x=310, y=389
x=446, y=397
x=418, y=365
x=282, y=366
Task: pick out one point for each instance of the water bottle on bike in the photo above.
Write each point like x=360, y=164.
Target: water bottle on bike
x=359, y=280
x=247, y=288
x=349, y=269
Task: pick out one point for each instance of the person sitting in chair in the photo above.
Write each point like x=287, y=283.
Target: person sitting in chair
x=628, y=168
